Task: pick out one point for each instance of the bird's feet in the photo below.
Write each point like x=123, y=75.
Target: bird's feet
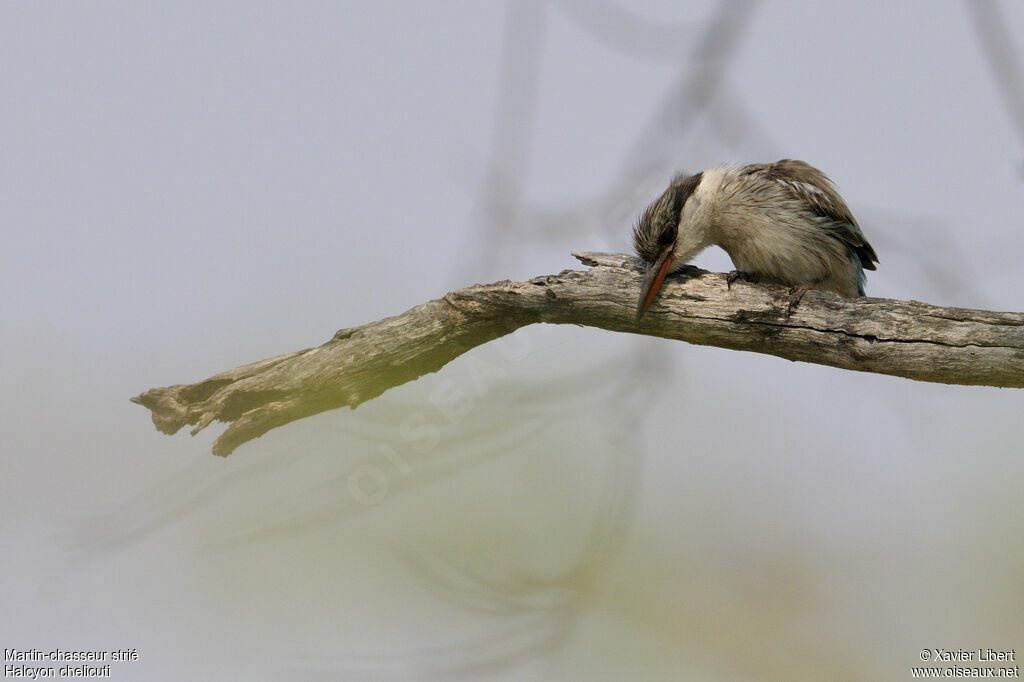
x=735, y=275
x=796, y=294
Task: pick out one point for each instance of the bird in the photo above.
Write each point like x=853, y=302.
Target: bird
x=781, y=222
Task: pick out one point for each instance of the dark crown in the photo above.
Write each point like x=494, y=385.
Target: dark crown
x=659, y=222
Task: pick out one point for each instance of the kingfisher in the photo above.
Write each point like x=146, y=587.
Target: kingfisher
x=781, y=222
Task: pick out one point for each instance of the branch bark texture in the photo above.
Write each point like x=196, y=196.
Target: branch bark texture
x=902, y=338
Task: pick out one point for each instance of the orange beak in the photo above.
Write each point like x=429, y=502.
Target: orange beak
x=653, y=280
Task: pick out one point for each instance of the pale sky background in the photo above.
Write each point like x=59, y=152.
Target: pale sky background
x=187, y=187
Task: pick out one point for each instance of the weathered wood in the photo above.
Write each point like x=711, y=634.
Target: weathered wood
x=901, y=338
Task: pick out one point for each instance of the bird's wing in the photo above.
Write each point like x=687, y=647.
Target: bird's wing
x=809, y=185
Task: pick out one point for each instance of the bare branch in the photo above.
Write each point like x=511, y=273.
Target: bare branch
x=901, y=338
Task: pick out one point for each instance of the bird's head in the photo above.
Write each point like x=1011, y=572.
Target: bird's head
x=656, y=237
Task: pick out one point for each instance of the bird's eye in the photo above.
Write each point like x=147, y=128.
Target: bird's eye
x=667, y=236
